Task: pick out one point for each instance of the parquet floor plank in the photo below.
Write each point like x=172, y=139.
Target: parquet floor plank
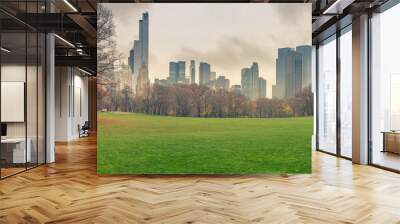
x=70, y=191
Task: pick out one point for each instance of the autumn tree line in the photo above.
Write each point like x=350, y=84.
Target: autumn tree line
x=200, y=101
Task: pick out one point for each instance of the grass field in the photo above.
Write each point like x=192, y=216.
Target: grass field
x=143, y=144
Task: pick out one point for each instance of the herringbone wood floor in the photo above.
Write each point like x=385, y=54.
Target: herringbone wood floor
x=69, y=191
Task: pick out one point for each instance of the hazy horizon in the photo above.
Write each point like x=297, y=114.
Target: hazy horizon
x=229, y=36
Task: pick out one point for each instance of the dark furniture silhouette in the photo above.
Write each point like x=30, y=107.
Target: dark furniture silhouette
x=84, y=130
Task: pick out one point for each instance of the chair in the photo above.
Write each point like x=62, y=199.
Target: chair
x=84, y=130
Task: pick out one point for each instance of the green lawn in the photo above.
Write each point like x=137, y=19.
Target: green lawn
x=131, y=143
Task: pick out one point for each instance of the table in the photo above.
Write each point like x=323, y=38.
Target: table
x=17, y=149
x=391, y=141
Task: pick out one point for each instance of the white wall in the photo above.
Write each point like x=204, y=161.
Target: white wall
x=71, y=94
x=62, y=82
x=79, y=112
x=13, y=73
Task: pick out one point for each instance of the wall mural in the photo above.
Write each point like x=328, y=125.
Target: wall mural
x=204, y=88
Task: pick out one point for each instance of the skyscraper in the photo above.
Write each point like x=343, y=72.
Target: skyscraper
x=143, y=83
x=139, y=54
x=131, y=60
x=262, y=88
x=254, y=81
x=173, y=72
x=222, y=83
x=251, y=82
x=213, y=76
x=192, y=72
x=305, y=51
x=136, y=58
x=204, y=73
x=291, y=71
x=177, y=72
x=246, y=81
x=293, y=74
x=181, y=73
x=278, y=90
x=144, y=38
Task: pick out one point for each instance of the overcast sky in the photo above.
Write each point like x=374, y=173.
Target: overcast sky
x=229, y=36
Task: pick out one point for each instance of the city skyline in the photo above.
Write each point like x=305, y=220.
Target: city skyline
x=221, y=38
x=292, y=71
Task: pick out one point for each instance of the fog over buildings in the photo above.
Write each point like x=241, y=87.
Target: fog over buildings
x=228, y=37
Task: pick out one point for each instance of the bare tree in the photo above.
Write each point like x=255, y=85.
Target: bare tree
x=106, y=45
x=198, y=102
x=302, y=103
